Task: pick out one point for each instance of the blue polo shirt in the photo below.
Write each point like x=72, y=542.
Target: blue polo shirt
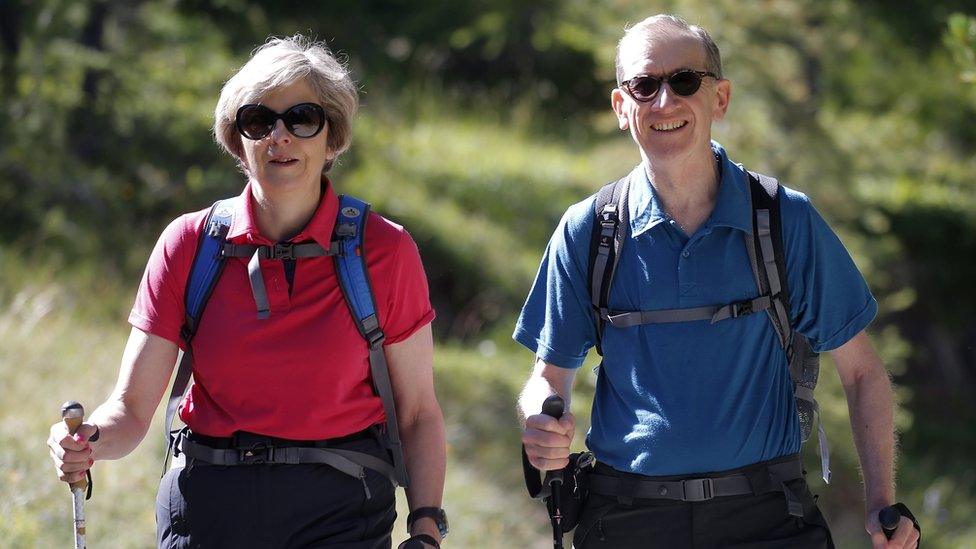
x=692, y=397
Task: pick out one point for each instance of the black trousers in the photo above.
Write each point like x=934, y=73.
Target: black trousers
x=742, y=522
x=304, y=505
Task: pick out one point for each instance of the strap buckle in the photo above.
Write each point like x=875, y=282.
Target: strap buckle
x=697, y=489
x=217, y=229
x=741, y=308
x=282, y=251
x=258, y=453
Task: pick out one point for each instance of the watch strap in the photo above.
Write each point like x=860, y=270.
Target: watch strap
x=903, y=510
x=424, y=512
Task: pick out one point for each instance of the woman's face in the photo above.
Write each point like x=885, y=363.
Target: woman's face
x=280, y=161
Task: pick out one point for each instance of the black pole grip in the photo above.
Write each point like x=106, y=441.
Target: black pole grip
x=554, y=406
x=889, y=517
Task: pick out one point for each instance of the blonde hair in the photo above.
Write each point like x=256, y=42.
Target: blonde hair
x=281, y=62
x=645, y=29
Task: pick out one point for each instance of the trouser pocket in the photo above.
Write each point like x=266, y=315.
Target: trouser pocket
x=171, y=519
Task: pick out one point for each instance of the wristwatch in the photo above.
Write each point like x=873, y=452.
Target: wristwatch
x=436, y=513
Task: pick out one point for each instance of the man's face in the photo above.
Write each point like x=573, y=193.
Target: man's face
x=669, y=127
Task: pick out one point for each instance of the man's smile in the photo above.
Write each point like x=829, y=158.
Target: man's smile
x=669, y=126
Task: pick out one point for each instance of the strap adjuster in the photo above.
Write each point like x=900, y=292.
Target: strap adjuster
x=258, y=453
x=741, y=308
x=375, y=337
x=697, y=489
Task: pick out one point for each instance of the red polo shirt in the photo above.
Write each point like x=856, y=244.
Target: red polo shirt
x=303, y=373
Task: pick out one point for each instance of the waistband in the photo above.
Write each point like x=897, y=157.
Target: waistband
x=248, y=449
x=244, y=439
x=763, y=477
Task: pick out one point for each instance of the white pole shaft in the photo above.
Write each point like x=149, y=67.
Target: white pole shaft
x=78, y=498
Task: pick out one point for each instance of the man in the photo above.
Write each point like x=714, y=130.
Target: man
x=698, y=404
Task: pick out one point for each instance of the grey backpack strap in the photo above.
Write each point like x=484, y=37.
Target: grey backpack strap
x=284, y=251
x=763, y=193
x=354, y=281
x=767, y=257
x=610, y=228
x=711, y=313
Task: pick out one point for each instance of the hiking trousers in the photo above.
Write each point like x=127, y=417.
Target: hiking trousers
x=275, y=506
x=753, y=521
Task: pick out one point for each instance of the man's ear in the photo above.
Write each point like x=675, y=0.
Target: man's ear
x=617, y=102
x=723, y=94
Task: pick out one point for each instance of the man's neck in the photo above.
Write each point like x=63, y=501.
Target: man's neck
x=686, y=187
x=282, y=215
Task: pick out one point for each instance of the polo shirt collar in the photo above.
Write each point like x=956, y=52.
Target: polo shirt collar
x=732, y=205
x=244, y=227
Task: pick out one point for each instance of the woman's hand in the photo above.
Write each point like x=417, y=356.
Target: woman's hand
x=72, y=454
x=419, y=542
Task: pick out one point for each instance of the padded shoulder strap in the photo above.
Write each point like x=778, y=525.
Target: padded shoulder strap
x=610, y=229
x=349, y=230
x=207, y=265
x=768, y=257
x=350, y=264
x=765, y=247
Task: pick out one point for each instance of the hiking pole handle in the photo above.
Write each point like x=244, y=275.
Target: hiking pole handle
x=554, y=406
x=73, y=414
x=889, y=517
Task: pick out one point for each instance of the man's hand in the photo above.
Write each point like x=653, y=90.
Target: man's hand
x=547, y=440
x=905, y=537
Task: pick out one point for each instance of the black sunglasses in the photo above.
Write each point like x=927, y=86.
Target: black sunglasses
x=684, y=82
x=302, y=120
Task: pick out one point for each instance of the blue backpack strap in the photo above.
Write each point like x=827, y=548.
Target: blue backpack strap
x=208, y=263
x=350, y=265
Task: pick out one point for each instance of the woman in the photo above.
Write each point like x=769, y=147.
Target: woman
x=280, y=366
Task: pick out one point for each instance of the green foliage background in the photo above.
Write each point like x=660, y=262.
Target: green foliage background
x=481, y=122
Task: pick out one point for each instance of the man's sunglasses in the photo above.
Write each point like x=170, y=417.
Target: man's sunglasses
x=302, y=120
x=684, y=82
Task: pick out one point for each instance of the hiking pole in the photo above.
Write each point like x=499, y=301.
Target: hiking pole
x=889, y=517
x=554, y=407
x=73, y=414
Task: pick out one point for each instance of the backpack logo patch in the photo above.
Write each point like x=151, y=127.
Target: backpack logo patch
x=349, y=211
x=224, y=211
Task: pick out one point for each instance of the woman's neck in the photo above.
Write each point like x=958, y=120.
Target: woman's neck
x=282, y=215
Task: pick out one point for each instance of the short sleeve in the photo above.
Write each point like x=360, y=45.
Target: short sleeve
x=830, y=300
x=158, y=307
x=556, y=322
x=408, y=304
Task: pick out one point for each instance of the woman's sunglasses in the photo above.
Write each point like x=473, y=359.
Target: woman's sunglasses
x=302, y=120
x=684, y=82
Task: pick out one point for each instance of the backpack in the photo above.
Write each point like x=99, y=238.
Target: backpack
x=766, y=254
x=349, y=256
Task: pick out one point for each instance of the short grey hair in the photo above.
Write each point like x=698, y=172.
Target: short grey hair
x=644, y=30
x=280, y=62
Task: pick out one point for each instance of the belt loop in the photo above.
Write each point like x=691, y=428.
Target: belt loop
x=793, y=505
